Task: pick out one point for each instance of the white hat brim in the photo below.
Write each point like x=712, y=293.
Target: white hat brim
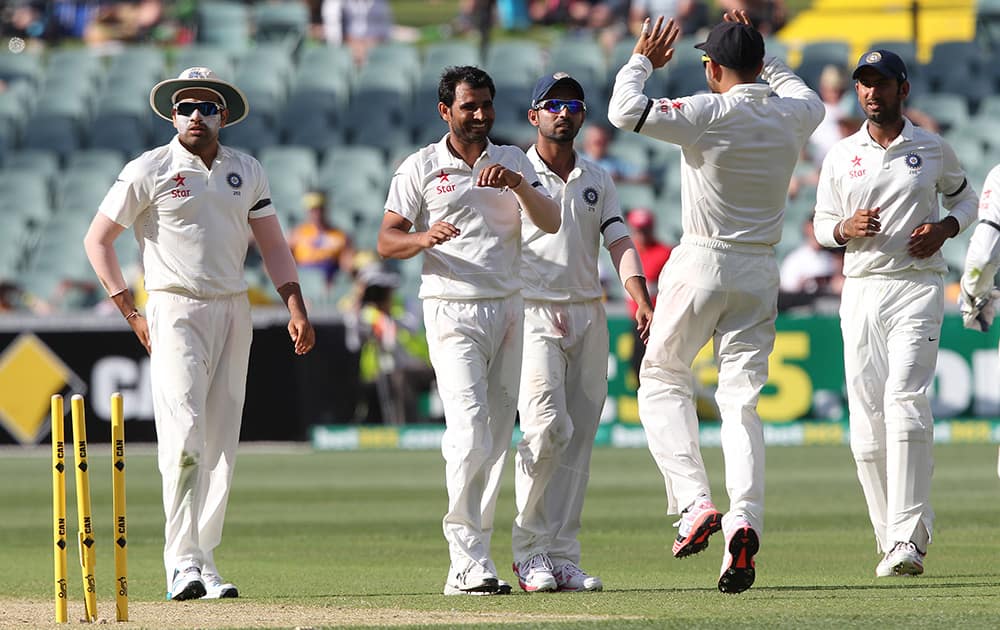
x=162, y=94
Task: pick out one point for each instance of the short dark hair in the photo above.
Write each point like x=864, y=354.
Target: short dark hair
x=453, y=75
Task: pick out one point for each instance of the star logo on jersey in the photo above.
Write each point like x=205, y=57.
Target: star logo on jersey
x=857, y=171
x=443, y=187
x=666, y=105
x=178, y=180
x=856, y=161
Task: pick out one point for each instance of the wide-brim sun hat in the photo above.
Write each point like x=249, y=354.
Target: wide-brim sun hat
x=161, y=97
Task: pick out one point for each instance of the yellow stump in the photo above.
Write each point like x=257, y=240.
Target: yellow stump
x=59, y=506
x=121, y=528
x=86, y=533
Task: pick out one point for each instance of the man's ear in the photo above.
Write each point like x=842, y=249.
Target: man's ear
x=223, y=117
x=444, y=111
x=533, y=117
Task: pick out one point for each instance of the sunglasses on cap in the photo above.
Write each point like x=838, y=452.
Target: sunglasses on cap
x=705, y=59
x=205, y=108
x=556, y=105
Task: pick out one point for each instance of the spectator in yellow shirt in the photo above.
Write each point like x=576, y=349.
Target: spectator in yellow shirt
x=319, y=244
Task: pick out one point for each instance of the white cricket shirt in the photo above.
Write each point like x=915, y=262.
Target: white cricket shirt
x=191, y=222
x=739, y=148
x=562, y=267
x=983, y=257
x=483, y=261
x=904, y=180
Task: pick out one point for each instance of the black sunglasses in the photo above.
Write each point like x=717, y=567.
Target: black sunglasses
x=556, y=105
x=205, y=108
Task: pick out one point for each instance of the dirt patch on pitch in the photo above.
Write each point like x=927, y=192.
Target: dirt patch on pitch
x=23, y=614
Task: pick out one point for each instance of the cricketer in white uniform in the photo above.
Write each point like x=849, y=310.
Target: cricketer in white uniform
x=194, y=205
x=978, y=299
x=878, y=194
x=463, y=196
x=564, y=373
x=740, y=144
x=979, y=293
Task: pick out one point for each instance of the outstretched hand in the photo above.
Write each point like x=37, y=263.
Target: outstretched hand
x=737, y=15
x=656, y=42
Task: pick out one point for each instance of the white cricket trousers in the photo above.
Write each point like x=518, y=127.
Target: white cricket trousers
x=726, y=291
x=198, y=369
x=564, y=383
x=891, y=326
x=475, y=348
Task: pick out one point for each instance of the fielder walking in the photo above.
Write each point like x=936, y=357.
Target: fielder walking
x=194, y=204
x=878, y=195
x=464, y=196
x=740, y=145
x=564, y=374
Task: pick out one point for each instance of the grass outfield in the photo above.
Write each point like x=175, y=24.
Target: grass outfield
x=355, y=539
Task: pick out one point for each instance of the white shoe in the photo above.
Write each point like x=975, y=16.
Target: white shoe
x=187, y=584
x=217, y=588
x=535, y=574
x=903, y=559
x=472, y=579
x=738, y=567
x=570, y=577
x=698, y=521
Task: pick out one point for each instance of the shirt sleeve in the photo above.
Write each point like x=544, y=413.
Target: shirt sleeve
x=262, y=206
x=613, y=227
x=829, y=206
x=405, y=197
x=958, y=197
x=527, y=170
x=983, y=257
x=787, y=85
x=130, y=195
x=674, y=121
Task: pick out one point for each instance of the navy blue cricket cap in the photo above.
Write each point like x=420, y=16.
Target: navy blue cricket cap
x=734, y=45
x=549, y=81
x=886, y=62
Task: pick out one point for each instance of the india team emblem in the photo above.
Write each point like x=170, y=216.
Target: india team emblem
x=590, y=197
x=914, y=161
x=234, y=180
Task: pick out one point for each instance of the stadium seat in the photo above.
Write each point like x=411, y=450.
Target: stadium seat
x=835, y=52
x=440, y=55
x=315, y=132
x=581, y=58
x=362, y=163
x=26, y=65
x=143, y=61
x=395, y=59
x=39, y=161
x=253, y=133
x=636, y=196
x=219, y=59
x=55, y=133
x=286, y=21
x=103, y=160
x=289, y=161
x=950, y=110
x=517, y=62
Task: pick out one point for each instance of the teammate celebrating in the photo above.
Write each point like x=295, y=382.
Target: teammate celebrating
x=740, y=146
x=878, y=195
x=464, y=195
x=564, y=375
x=979, y=296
